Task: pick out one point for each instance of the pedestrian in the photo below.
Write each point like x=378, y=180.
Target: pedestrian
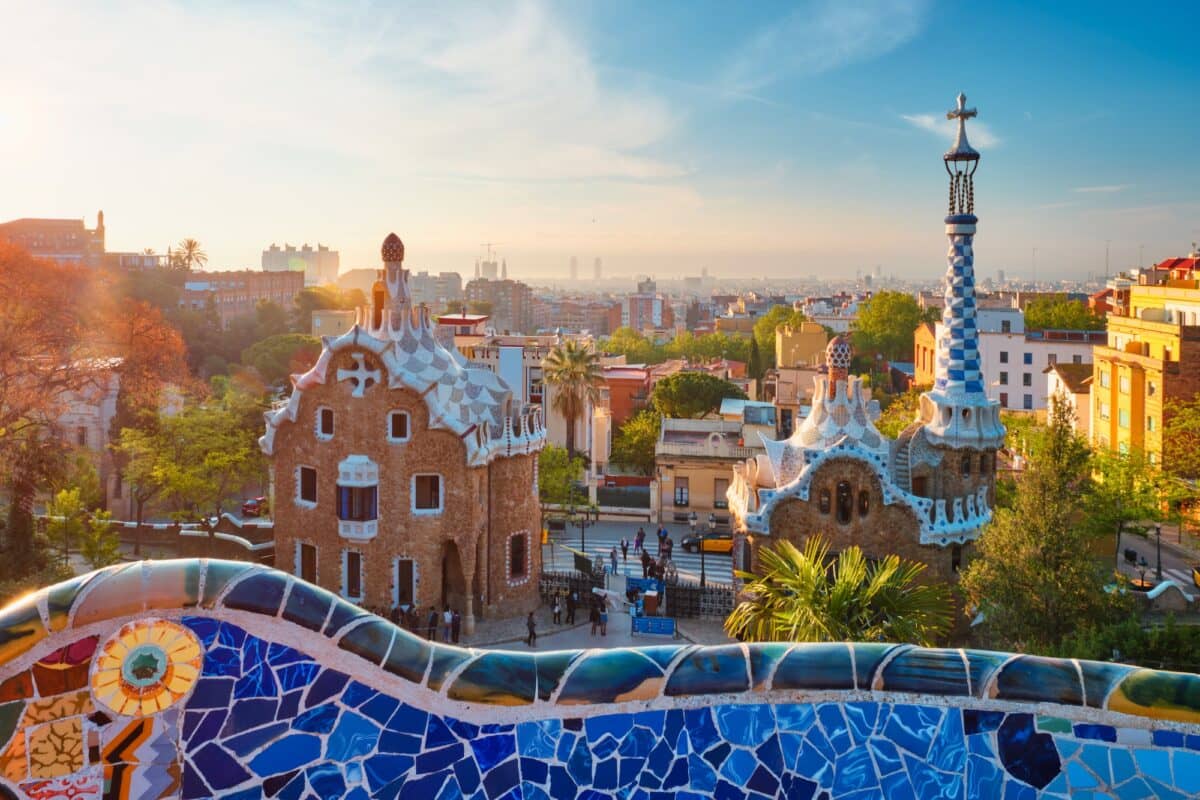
x=572, y=603
x=604, y=619
x=531, y=625
x=613, y=558
x=394, y=615
x=638, y=540
x=662, y=537
x=557, y=611
x=447, y=623
x=456, y=627
x=646, y=562
x=668, y=546
x=624, y=550
x=431, y=624
x=594, y=618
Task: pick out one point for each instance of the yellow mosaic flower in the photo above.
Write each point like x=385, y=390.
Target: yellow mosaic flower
x=147, y=666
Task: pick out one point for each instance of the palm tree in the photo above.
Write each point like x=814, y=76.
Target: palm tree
x=191, y=254
x=574, y=372
x=805, y=596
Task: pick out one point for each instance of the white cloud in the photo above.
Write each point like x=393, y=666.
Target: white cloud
x=821, y=35
x=978, y=133
x=1107, y=189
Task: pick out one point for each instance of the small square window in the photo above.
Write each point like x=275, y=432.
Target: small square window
x=681, y=492
x=1004, y=399
x=1076, y=359
x=1051, y=359
x=1028, y=402
x=1027, y=379
x=398, y=426
x=324, y=423
x=307, y=490
x=306, y=562
x=1003, y=356
x=1004, y=379
x=1027, y=358
x=427, y=494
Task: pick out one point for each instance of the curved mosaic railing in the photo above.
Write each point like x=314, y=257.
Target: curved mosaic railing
x=201, y=678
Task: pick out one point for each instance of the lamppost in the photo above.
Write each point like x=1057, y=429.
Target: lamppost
x=589, y=515
x=1158, y=549
x=712, y=525
x=692, y=519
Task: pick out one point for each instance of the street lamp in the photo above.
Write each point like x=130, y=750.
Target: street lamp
x=583, y=518
x=1158, y=549
x=712, y=526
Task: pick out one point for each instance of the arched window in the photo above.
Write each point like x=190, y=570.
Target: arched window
x=845, y=502
x=966, y=464
x=824, y=506
x=864, y=502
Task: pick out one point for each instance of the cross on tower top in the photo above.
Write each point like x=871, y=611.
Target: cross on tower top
x=962, y=150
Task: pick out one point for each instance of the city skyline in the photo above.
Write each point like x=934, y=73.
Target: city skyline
x=774, y=141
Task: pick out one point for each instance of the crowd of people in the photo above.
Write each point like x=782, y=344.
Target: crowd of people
x=444, y=626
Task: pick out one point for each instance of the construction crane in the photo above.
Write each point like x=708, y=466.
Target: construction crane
x=489, y=246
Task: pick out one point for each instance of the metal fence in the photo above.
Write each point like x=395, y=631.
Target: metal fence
x=691, y=600
x=563, y=583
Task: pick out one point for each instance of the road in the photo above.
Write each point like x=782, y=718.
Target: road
x=603, y=536
x=1175, y=567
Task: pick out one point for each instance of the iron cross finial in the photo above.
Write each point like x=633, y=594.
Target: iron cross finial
x=962, y=112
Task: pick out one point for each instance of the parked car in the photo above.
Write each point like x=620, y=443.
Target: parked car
x=712, y=542
x=254, y=507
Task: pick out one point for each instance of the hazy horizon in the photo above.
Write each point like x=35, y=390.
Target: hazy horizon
x=770, y=140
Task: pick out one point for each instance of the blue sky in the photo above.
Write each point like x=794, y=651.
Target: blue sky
x=751, y=139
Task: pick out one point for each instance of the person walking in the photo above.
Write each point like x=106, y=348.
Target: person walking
x=594, y=618
x=646, y=562
x=556, y=609
x=531, y=625
x=668, y=547
x=613, y=559
x=638, y=539
x=431, y=624
x=662, y=537
x=604, y=618
x=447, y=624
x=455, y=627
x=624, y=550
x=572, y=603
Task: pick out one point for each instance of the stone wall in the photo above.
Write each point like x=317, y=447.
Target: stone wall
x=218, y=679
x=883, y=531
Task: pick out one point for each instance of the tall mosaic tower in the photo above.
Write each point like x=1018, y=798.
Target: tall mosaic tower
x=957, y=412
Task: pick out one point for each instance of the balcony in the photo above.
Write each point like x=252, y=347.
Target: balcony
x=358, y=530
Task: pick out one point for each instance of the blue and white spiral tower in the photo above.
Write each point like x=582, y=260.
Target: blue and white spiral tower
x=957, y=412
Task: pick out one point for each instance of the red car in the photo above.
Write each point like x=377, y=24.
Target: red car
x=254, y=507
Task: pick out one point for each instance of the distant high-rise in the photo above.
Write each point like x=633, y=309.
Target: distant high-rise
x=596, y=269
x=574, y=268
x=999, y=276
x=504, y=270
x=487, y=269
x=319, y=265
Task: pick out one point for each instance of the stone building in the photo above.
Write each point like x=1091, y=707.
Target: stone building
x=401, y=474
x=923, y=496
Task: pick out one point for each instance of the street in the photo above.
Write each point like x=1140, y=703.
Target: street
x=605, y=535
x=1174, y=566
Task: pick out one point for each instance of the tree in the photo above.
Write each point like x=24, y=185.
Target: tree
x=1181, y=439
x=885, y=325
x=899, y=413
x=754, y=365
x=1125, y=492
x=480, y=307
x=558, y=475
x=190, y=254
x=98, y=542
x=691, y=394
x=320, y=298
x=1060, y=313
x=765, y=327
x=633, y=446
x=574, y=372
x=636, y=348
x=1034, y=578
x=808, y=596
x=65, y=521
x=277, y=357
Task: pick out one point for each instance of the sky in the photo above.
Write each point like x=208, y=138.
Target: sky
x=758, y=139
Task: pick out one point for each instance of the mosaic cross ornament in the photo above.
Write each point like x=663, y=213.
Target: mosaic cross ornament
x=360, y=375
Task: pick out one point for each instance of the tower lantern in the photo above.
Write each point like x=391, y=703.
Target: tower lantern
x=961, y=161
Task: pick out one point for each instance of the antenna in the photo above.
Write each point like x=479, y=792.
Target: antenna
x=489, y=246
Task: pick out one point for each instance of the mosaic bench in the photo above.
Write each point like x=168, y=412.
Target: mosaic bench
x=196, y=678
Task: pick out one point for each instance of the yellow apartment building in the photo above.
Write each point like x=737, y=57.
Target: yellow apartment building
x=800, y=345
x=1152, y=356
